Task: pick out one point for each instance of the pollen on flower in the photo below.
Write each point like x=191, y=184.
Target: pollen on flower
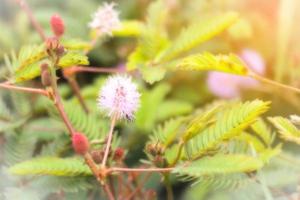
x=119, y=97
x=106, y=19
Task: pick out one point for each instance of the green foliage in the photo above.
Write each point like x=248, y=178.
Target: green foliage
x=131, y=28
x=288, y=131
x=150, y=101
x=220, y=164
x=229, y=123
x=196, y=34
x=71, y=59
x=51, y=166
x=89, y=124
x=207, y=61
x=19, y=147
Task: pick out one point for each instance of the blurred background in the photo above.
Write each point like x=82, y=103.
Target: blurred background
x=266, y=37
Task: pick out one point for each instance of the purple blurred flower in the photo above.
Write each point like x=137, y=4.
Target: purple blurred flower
x=228, y=86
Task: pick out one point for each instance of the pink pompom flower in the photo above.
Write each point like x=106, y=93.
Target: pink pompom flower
x=106, y=19
x=119, y=97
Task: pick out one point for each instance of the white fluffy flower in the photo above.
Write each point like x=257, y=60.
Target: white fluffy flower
x=119, y=97
x=106, y=19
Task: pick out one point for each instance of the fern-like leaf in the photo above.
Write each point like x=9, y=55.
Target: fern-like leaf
x=220, y=164
x=51, y=166
x=229, y=123
x=288, y=131
x=207, y=61
x=197, y=34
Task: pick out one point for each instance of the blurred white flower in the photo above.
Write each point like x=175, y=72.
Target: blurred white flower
x=119, y=97
x=106, y=19
x=228, y=86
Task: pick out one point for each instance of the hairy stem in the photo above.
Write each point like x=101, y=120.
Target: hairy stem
x=181, y=145
x=109, y=140
x=120, y=169
x=58, y=103
x=23, y=4
x=77, y=69
x=268, y=81
x=24, y=89
x=108, y=192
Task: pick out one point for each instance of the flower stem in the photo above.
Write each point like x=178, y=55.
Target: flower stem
x=23, y=4
x=109, y=140
x=139, y=187
x=24, y=89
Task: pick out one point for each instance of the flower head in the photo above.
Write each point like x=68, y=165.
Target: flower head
x=119, y=97
x=106, y=19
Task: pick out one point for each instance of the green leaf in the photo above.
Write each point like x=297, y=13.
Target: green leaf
x=150, y=101
x=263, y=131
x=207, y=61
x=231, y=122
x=167, y=132
x=76, y=44
x=129, y=28
x=51, y=166
x=73, y=58
x=288, y=131
x=220, y=164
x=173, y=108
x=152, y=74
x=198, y=33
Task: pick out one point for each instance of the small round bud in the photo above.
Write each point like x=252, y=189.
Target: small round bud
x=97, y=156
x=119, y=153
x=80, y=143
x=52, y=43
x=60, y=51
x=154, y=149
x=57, y=25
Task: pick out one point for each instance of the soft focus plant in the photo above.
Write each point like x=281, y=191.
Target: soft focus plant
x=151, y=120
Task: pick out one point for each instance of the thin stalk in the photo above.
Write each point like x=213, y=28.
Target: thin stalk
x=108, y=192
x=120, y=169
x=77, y=69
x=181, y=145
x=58, y=103
x=109, y=140
x=274, y=83
x=130, y=196
x=76, y=89
x=24, y=89
x=23, y=4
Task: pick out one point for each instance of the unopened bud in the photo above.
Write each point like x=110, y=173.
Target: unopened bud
x=97, y=156
x=52, y=43
x=119, y=154
x=154, y=149
x=57, y=25
x=80, y=143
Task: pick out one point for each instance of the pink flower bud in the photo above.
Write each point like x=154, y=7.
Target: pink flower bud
x=57, y=25
x=80, y=143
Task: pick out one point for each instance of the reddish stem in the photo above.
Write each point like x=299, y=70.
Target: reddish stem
x=23, y=4
x=119, y=169
x=77, y=69
x=139, y=186
x=24, y=89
